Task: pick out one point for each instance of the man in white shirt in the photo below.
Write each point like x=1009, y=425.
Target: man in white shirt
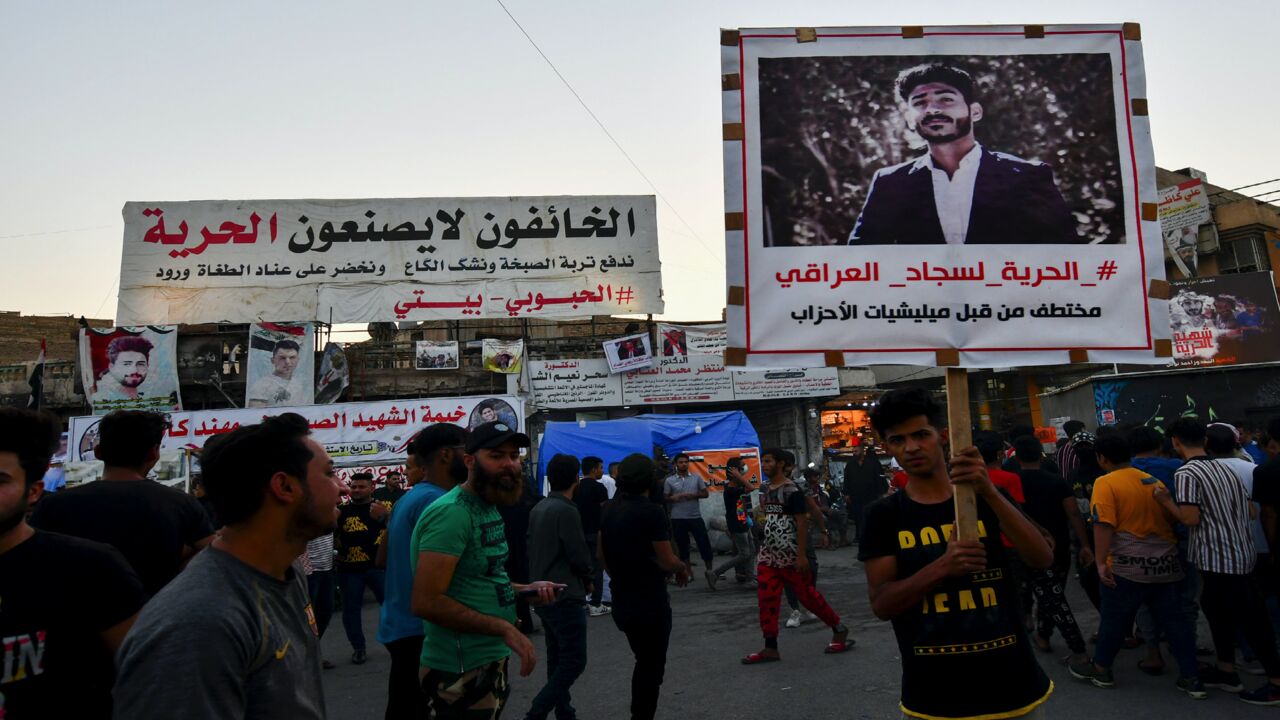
x=280, y=388
x=978, y=196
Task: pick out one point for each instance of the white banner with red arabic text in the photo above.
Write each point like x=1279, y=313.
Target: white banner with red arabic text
x=353, y=433
x=408, y=259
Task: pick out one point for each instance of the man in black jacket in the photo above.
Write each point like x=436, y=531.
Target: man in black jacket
x=959, y=192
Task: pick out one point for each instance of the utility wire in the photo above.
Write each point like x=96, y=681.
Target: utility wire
x=608, y=134
x=55, y=232
x=1245, y=187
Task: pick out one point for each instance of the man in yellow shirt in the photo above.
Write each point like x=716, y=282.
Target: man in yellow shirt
x=1136, y=552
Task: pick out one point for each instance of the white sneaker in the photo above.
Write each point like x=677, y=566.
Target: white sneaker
x=598, y=610
x=794, y=620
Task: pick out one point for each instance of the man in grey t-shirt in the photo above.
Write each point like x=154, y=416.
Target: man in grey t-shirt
x=685, y=490
x=237, y=624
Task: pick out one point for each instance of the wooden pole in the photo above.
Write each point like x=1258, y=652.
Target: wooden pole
x=958, y=424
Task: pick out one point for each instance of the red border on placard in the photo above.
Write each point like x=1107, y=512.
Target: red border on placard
x=1137, y=199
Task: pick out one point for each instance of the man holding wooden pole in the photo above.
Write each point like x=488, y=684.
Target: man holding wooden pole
x=937, y=569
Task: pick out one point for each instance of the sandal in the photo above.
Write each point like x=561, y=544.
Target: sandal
x=836, y=647
x=756, y=658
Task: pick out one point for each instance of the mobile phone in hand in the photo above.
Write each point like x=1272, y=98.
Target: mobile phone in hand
x=533, y=591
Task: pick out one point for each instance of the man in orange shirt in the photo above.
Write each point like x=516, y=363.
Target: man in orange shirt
x=1136, y=553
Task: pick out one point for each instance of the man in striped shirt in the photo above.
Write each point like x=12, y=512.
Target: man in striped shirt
x=1215, y=505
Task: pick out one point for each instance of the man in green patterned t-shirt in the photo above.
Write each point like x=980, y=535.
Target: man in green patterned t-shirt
x=461, y=588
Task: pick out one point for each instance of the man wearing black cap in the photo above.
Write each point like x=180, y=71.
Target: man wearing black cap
x=434, y=467
x=461, y=587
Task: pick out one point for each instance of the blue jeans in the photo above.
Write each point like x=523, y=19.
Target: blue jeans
x=566, y=626
x=1119, y=608
x=352, y=585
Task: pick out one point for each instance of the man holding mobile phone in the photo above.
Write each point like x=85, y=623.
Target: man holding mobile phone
x=558, y=552
x=461, y=587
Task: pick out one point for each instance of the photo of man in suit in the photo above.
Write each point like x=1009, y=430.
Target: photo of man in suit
x=959, y=192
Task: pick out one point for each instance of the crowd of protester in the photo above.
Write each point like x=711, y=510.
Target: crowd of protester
x=108, y=586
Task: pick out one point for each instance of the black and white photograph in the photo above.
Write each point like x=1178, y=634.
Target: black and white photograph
x=961, y=150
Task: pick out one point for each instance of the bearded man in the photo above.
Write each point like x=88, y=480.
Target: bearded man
x=461, y=587
x=958, y=193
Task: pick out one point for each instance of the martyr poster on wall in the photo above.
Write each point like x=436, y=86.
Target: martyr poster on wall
x=1225, y=320
x=893, y=194
x=389, y=260
x=281, y=365
x=130, y=368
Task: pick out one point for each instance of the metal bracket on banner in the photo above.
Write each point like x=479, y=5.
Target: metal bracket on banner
x=734, y=221
x=735, y=356
x=730, y=38
x=1150, y=213
x=731, y=82
x=833, y=358
x=1132, y=31
x=913, y=32
x=1033, y=32
x=1163, y=348
x=947, y=358
x=806, y=34
x=1159, y=290
x=737, y=296
x=734, y=131
x=1078, y=355
x=1139, y=106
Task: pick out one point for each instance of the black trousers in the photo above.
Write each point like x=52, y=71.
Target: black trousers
x=1234, y=603
x=647, y=625
x=405, y=699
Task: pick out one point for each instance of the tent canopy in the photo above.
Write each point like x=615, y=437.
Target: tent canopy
x=612, y=440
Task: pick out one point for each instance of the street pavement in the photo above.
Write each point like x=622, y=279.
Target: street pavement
x=712, y=630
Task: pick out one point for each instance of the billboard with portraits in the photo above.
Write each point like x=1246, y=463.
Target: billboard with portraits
x=896, y=193
x=130, y=368
x=1225, y=320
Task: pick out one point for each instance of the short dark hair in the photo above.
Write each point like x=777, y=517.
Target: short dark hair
x=1219, y=440
x=127, y=343
x=238, y=466
x=590, y=463
x=562, y=472
x=990, y=444
x=676, y=459
x=897, y=406
x=788, y=458
x=32, y=435
x=635, y=474
x=1018, y=431
x=1071, y=427
x=1105, y=430
x=286, y=344
x=1026, y=448
x=1188, y=431
x=1144, y=439
x=125, y=437
x=734, y=462
x=1114, y=448
x=362, y=475
x=433, y=438
x=1273, y=428
x=914, y=77
x=778, y=454
x=810, y=473
x=613, y=469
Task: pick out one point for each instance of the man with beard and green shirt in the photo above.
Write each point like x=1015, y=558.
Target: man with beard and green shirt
x=434, y=467
x=461, y=588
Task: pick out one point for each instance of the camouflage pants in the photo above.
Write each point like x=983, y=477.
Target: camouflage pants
x=477, y=694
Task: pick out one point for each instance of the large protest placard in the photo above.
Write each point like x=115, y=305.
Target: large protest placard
x=689, y=379
x=1183, y=209
x=711, y=466
x=1225, y=320
x=352, y=433
x=130, y=368
x=388, y=259
x=281, y=365
x=980, y=196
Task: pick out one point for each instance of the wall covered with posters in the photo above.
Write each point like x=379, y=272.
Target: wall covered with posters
x=1239, y=394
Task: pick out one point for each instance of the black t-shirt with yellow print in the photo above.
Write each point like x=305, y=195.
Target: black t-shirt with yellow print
x=357, y=537
x=964, y=650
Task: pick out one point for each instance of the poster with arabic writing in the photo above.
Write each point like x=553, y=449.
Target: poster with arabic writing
x=387, y=260
x=1225, y=320
x=130, y=368
x=968, y=192
x=364, y=433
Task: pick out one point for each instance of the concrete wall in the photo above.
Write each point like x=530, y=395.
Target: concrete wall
x=1076, y=403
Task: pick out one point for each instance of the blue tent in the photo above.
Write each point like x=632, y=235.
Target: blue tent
x=612, y=440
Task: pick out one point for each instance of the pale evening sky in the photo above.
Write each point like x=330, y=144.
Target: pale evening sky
x=110, y=102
